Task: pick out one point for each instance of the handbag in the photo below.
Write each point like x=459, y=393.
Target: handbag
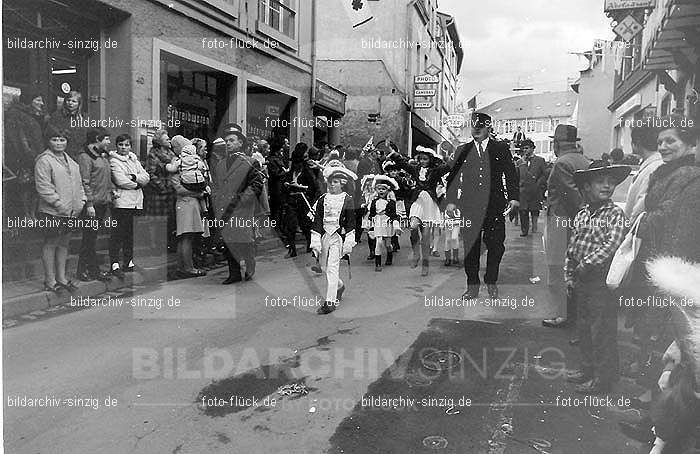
x=619, y=272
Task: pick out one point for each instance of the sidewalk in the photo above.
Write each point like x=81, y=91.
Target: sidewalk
x=23, y=297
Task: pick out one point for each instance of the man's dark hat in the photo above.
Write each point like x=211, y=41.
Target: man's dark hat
x=481, y=120
x=566, y=133
x=600, y=167
x=233, y=128
x=527, y=142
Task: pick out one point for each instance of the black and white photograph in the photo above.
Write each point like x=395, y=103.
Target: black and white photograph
x=350, y=227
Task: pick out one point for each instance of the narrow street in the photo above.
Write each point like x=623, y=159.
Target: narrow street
x=183, y=380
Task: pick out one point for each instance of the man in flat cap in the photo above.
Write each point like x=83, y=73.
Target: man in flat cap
x=475, y=187
x=563, y=201
x=237, y=186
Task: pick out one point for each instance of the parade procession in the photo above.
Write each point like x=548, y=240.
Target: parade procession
x=351, y=226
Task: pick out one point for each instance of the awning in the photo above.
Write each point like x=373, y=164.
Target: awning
x=428, y=132
x=330, y=98
x=675, y=44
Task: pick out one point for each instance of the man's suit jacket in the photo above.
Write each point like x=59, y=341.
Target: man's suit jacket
x=476, y=185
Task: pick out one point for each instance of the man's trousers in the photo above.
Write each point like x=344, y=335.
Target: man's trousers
x=493, y=233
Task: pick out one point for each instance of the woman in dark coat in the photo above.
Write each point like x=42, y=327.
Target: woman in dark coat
x=25, y=122
x=668, y=228
x=298, y=183
x=276, y=172
x=159, y=194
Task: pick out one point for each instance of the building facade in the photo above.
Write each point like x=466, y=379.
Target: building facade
x=537, y=115
x=374, y=54
x=595, y=90
x=189, y=66
x=657, y=73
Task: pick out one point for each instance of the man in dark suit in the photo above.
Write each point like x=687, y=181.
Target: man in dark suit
x=519, y=138
x=475, y=187
x=533, y=177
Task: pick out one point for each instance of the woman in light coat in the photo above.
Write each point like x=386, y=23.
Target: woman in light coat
x=61, y=199
x=128, y=176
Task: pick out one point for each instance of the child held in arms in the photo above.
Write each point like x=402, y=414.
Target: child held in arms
x=599, y=228
x=333, y=232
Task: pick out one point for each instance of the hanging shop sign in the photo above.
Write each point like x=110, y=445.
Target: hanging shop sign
x=613, y=5
x=628, y=28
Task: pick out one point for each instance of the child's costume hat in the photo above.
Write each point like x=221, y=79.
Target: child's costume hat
x=429, y=151
x=387, y=181
x=600, y=167
x=339, y=172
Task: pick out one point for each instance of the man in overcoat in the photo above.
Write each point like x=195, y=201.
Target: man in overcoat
x=533, y=177
x=563, y=203
x=475, y=187
x=237, y=186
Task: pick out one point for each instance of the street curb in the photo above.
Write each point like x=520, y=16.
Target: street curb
x=41, y=300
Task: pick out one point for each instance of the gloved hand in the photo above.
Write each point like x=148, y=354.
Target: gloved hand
x=349, y=243
x=316, y=243
x=90, y=211
x=397, y=227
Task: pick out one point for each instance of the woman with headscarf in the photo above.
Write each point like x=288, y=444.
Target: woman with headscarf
x=301, y=189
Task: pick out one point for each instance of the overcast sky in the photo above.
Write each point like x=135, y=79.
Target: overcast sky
x=508, y=43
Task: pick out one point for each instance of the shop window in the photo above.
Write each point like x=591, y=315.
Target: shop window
x=269, y=115
x=196, y=97
x=278, y=17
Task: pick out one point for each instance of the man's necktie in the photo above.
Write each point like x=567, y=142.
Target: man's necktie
x=479, y=149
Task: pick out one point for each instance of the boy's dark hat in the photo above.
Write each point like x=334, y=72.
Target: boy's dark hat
x=481, y=120
x=566, y=133
x=527, y=142
x=388, y=166
x=600, y=167
x=233, y=128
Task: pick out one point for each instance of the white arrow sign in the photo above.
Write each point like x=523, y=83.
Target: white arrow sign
x=423, y=93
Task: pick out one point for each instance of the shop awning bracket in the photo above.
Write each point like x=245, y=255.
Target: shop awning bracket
x=667, y=81
x=692, y=36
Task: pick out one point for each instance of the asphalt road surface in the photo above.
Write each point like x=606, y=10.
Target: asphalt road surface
x=192, y=366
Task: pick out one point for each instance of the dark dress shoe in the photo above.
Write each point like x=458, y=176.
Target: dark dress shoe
x=118, y=273
x=574, y=341
x=248, y=277
x=493, y=291
x=231, y=280
x=290, y=254
x=370, y=257
x=558, y=322
x=578, y=377
x=523, y=234
x=326, y=308
x=472, y=292
x=102, y=276
x=316, y=269
x=85, y=276
x=70, y=286
x=640, y=432
x=593, y=386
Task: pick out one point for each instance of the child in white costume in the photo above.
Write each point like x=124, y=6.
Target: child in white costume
x=333, y=232
x=384, y=219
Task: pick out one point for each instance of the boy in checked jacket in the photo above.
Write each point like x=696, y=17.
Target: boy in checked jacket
x=599, y=228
